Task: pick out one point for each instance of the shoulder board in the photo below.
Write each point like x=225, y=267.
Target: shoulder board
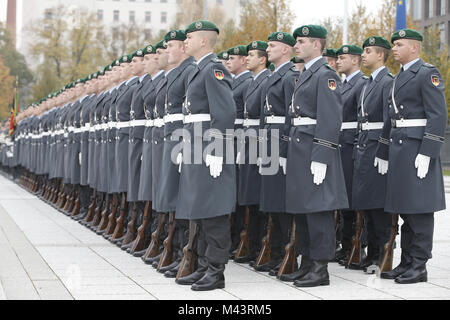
x=391, y=75
x=216, y=60
x=293, y=68
x=428, y=65
x=365, y=77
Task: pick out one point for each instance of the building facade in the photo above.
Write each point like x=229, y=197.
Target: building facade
x=426, y=13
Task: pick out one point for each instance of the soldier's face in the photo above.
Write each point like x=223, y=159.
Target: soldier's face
x=163, y=58
x=344, y=63
x=192, y=43
x=332, y=62
x=370, y=57
x=304, y=48
x=405, y=50
x=235, y=63
x=175, y=51
x=253, y=60
x=275, y=50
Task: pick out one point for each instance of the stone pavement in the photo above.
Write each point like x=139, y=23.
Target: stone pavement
x=46, y=255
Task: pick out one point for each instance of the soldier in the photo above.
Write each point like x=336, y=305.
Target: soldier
x=146, y=179
x=237, y=65
x=298, y=63
x=331, y=56
x=348, y=63
x=369, y=188
x=249, y=179
x=173, y=119
x=314, y=175
x=276, y=97
x=410, y=146
x=224, y=57
x=209, y=113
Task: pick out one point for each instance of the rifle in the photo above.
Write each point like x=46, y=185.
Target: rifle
x=140, y=240
x=188, y=263
x=61, y=196
x=242, y=249
x=92, y=213
x=337, y=218
x=288, y=263
x=112, y=217
x=167, y=255
x=386, y=262
x=95, y=221
x=264, y=254
x=131, y=227
x=93, y=203
x=355, y=252
x=118, y=232
x=153, y=248
x=104, y=220
x=69, y=199
x=76, y=209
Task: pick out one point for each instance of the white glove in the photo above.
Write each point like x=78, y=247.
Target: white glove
x=382, y=165
x=179, y=161
x=79, y=158
x=422, y=165
x=215, y=165
x=238, y=158
x=258, y=163
x=319, y=171
x=283, y=164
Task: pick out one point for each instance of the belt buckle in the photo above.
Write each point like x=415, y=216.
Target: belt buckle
x=394, y=123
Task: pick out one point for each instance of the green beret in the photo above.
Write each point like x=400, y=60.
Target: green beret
x=311, y=31
x=282, y=37
x=350, y=49
x=407, y=34
x=238, y=51
x=150, y=49
x=160, y=45
x=377, y=42
x=178, y=35
x=201, y=25
x=223, y=55
x=257, y=45
x=125, y=59
x=329, y=52
x=137, y=53
x=297, y=60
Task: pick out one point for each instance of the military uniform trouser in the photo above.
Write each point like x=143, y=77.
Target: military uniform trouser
x=181, y=238
x=316, y=235
x=256, y=229
x=282, y=223
x=214, y=241
x=346, y=230
x=86, y=195
x=417, y=235
x=378, y=227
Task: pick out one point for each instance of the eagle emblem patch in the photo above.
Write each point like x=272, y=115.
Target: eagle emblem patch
x=218, y=74
x=435, y=80
x=332, y=84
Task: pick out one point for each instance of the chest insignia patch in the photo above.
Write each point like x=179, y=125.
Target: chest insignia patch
x=332, y=84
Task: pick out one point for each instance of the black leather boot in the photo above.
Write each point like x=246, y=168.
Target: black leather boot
x=174, y=264
x=245, y=259
x=317, y=276
x=405, y=263
x=139, y=254
x=267, y=266
x=197, y=275
x=151, y=260
x=416, y=273
x=303, y=270
x=213, y=278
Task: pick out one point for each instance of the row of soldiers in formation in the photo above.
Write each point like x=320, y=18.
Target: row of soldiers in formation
x=352, y=156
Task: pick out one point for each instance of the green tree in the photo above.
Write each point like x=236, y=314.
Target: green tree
x=7, y=92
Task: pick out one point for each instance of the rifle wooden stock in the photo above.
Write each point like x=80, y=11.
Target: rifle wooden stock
x=264, y=253
x=188, y=263
x=140, y=240
x=288, y=263
x=104, y=215
x=386, y=262
x=93, y=204
x=112, y=216
x=167, y=255
x=130, y=235
x=153, y=248
x=337, y=217
x=355, y=253
x=77, y=206
x=242, y=249
x=69, y=199
x=118, y=231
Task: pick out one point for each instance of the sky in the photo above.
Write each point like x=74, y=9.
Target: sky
x=307, y=11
